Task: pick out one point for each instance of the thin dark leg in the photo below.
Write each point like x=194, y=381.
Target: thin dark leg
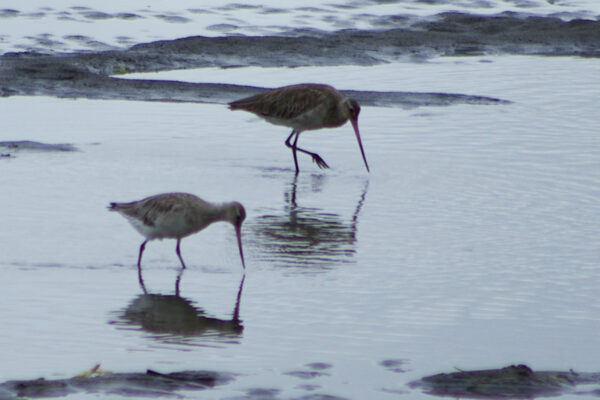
x=139, y=265
x=141, y=280
x=316, y=158
x=179, y=253
x=142, y=247
x=293, y=147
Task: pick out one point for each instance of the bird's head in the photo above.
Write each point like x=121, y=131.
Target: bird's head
x=236, y=214
x=352, y=109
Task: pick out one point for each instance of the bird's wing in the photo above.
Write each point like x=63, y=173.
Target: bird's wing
x=288, y=102
x=155, y=208
x=149, y=209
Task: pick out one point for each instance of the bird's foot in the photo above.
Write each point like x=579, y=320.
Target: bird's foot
x=319, y=161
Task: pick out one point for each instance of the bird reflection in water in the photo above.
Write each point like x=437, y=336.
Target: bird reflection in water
x=176, y=315
x=306, y=236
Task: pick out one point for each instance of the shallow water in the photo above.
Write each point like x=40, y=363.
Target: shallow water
x=472, y=243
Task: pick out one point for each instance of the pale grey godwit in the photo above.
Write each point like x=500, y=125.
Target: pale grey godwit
x=177, y=215
x=303, y=107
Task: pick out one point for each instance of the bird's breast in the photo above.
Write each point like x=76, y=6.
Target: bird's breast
x=171, y=225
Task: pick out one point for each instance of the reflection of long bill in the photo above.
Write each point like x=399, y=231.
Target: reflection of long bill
x=354, y=122
x=238, y=232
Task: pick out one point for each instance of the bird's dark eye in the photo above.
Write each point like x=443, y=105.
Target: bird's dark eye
x=354, y=108
x=239, y=218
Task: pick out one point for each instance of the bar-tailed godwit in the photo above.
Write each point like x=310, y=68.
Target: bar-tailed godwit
x=303, y=107
x=177, y=215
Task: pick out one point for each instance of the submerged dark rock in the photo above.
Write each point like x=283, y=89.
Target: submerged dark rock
x=515, y=381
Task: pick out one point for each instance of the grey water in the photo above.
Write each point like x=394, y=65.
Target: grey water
x=472, y=243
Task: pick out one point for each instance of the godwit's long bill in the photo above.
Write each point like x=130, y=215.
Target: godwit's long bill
x=177, y=215
x=304, y=107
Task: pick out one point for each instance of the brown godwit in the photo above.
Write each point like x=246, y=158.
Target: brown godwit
x=177, y=215
x=303, y=107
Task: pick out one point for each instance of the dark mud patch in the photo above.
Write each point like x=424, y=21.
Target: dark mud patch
x=90, y=74
x=275, y=394
x=449, y=34
x=36, y=146
x=319, y=366
x=306, y=374
x=99, y=15
x=9, y=13
x=147, y=384
x=515, y=382
x=397, y=365
x=262, y=393
x=26, y=74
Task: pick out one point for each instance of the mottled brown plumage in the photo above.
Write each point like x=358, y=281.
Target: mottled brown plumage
x=177, y=215
x=304, y=107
